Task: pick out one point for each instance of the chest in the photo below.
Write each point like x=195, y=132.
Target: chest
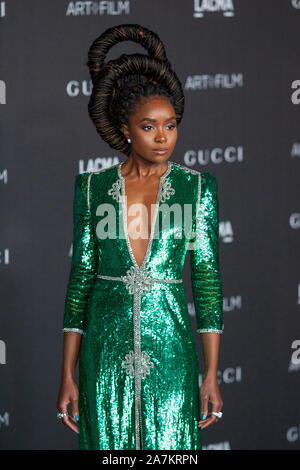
x=141, y=200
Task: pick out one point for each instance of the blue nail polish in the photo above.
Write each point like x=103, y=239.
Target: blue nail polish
x=77, y=417
x=203, y=416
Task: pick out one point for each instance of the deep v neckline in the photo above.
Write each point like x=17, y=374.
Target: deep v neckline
x=153, y=222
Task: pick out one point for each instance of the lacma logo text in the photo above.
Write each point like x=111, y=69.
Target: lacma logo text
x=213, y=6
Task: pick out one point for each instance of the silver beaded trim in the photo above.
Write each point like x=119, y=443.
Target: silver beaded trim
x=186, y=168
x=76, y=330
x=110, y=278
x=88, y=190
x=108, y=168
x=121, y=278
x=209, y=330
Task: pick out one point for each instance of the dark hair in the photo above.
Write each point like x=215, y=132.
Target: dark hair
x=120, y=84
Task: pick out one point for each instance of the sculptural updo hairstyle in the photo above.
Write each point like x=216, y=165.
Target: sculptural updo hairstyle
x=120, y=84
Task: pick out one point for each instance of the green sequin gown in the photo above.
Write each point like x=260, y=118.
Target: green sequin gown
x=138, y=362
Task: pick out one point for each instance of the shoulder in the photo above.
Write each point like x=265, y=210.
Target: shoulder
x=188, y=177
x=209, y=180
x=205, y=175
x=84, y=179
x=180, y=168
x=106, y=171
x=205, y=178
x=81, y=181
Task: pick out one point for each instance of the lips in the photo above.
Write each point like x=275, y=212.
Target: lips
x=160, y=151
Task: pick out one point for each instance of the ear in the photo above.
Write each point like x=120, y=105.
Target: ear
x=125, y=130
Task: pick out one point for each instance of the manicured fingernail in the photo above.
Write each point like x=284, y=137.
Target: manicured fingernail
x=77, y=417
x=203, y=416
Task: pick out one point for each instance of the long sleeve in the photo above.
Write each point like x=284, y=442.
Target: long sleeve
x=204, y=258
x=84, y=258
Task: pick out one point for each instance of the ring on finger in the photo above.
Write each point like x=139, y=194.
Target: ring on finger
x=218, y=414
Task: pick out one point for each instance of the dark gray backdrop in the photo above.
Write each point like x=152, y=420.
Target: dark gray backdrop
x=239, y=65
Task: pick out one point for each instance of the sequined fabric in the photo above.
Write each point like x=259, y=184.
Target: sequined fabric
x=138, y=363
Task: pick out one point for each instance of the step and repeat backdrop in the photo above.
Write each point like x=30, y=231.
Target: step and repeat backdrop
x=238, y=61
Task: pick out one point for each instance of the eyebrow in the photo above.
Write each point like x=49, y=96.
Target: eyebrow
x=154, y=120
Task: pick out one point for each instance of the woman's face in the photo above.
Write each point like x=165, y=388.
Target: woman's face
x=152, y=126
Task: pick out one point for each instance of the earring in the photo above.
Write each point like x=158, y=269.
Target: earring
x=129, y=141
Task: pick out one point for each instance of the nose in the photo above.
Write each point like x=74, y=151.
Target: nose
x=160, y=136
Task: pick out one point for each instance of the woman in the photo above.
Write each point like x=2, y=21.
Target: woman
x=126, y=315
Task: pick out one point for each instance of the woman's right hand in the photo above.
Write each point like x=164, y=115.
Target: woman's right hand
x=68, y=393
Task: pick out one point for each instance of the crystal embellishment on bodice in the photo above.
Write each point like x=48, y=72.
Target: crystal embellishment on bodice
x=115, y=190
x=166, y=191
x=137, y=280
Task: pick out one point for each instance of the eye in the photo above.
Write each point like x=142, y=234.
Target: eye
x=170, y=126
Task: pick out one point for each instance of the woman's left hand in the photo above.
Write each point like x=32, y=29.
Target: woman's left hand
x=210, y=392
